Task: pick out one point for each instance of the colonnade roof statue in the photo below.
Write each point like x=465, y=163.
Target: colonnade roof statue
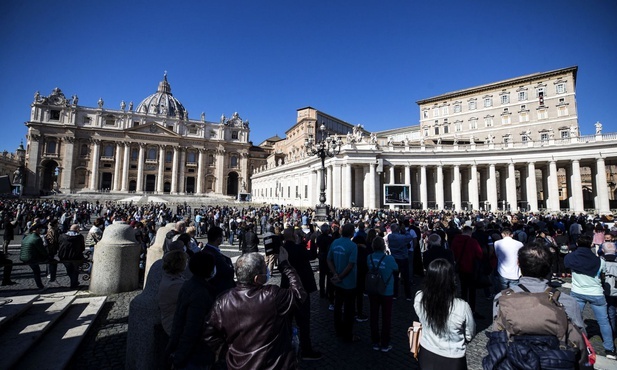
x=162, y=102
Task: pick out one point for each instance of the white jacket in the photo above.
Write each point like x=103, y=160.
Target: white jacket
x=460, y=331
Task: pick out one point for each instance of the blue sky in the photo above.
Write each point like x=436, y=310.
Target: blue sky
x=365, y=62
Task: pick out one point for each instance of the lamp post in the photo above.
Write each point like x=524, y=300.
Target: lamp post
x=326, y=147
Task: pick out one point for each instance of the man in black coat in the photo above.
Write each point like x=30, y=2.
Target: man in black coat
x=299, y=259
x=71, y=250
x=224, y=278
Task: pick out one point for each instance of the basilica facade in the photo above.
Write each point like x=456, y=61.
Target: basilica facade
x=153, y=147
x=509, y=145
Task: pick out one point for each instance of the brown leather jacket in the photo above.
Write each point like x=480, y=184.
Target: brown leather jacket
x=254, y=322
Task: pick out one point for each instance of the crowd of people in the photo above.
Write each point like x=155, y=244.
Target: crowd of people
x=248, y=322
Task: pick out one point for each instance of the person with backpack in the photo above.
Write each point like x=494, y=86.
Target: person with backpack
x=384, y=265
x=447, y=322
x=610, y=284
x=534, y=260
x=587, y=287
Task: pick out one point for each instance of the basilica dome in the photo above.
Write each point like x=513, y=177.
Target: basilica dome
x=162, y=102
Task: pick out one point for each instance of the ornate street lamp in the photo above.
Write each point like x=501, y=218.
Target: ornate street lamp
x=327, y=146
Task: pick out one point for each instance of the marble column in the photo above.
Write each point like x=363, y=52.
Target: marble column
x=392, y=180
x=174, y=171
x=117, y=167
x=439, y=194
x=160, y=177
x=371, y=186
x=200, y=173
x=553, y=187
x=140, y=168
x=601, y=188
x=67, y=164
x=329, y=185
x=336, y=185
x=491, y=187
x=408, y=176
x=94, y=178
x=125, y=167
x=474, y=197
x=576, y=187
x=511, y=187
x=347, y=188
x=423, y=188
x=182, y=171
x=532, y=188
x=456, y=187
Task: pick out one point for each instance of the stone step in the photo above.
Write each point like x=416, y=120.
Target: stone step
x=23, y=331
x=56, y=348
x=13, y=307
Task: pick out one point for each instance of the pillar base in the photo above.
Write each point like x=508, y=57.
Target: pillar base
x=321, y=212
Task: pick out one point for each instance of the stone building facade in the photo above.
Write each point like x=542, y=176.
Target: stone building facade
x=151, y=148
x=529, y=157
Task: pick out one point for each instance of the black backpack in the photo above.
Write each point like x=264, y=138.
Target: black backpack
x=532, y=331
x=374, y=284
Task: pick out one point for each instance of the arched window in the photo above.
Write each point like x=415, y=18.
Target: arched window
x=210, y=160
x=152, y=154
x=233, y=161
x=83, y=152
x=190, y=157
x=169, y=156
x=134, y=154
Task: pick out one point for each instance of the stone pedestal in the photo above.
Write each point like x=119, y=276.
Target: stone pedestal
x=146, y=339
x=115, y=266
x=155, y=252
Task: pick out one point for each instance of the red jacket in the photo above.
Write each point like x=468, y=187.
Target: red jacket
x=466, y=250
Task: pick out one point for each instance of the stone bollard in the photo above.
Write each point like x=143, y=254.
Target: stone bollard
x=146, y=340
x=115, y=264
x=155, y=252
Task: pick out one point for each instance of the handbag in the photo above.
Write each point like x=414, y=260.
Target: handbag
x=415, y=334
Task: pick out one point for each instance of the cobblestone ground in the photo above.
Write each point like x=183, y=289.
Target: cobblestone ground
x=104, y=347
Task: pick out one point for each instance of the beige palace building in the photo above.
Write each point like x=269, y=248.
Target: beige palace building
x=151, y=148
x=509, y=145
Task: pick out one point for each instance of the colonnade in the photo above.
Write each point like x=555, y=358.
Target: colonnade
x=527, y=185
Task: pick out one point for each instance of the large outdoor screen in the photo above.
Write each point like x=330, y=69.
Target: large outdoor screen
x=397, y=194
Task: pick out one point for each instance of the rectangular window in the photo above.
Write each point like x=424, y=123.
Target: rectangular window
x=51, y=147
x=435, y=112
x=562, y=111
x=87, y=120
x=425, y=114
x=505, y=120
x=560, y=88
x=444, y=111
x=523, y=117
x=488, y=102
x=472, y=105
x=459, y=127
x=457, y=108
x=135, y=123
x=544, y=137
x=522, y=95
x=488, y=122
x=564, y=134
x=542, y=114
x=473, y=124
x=524, y=138
x=110, y=122
x=436, y=130
x=170, y=127
x=234, y=135
x=505, y=99
x=54, y=115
